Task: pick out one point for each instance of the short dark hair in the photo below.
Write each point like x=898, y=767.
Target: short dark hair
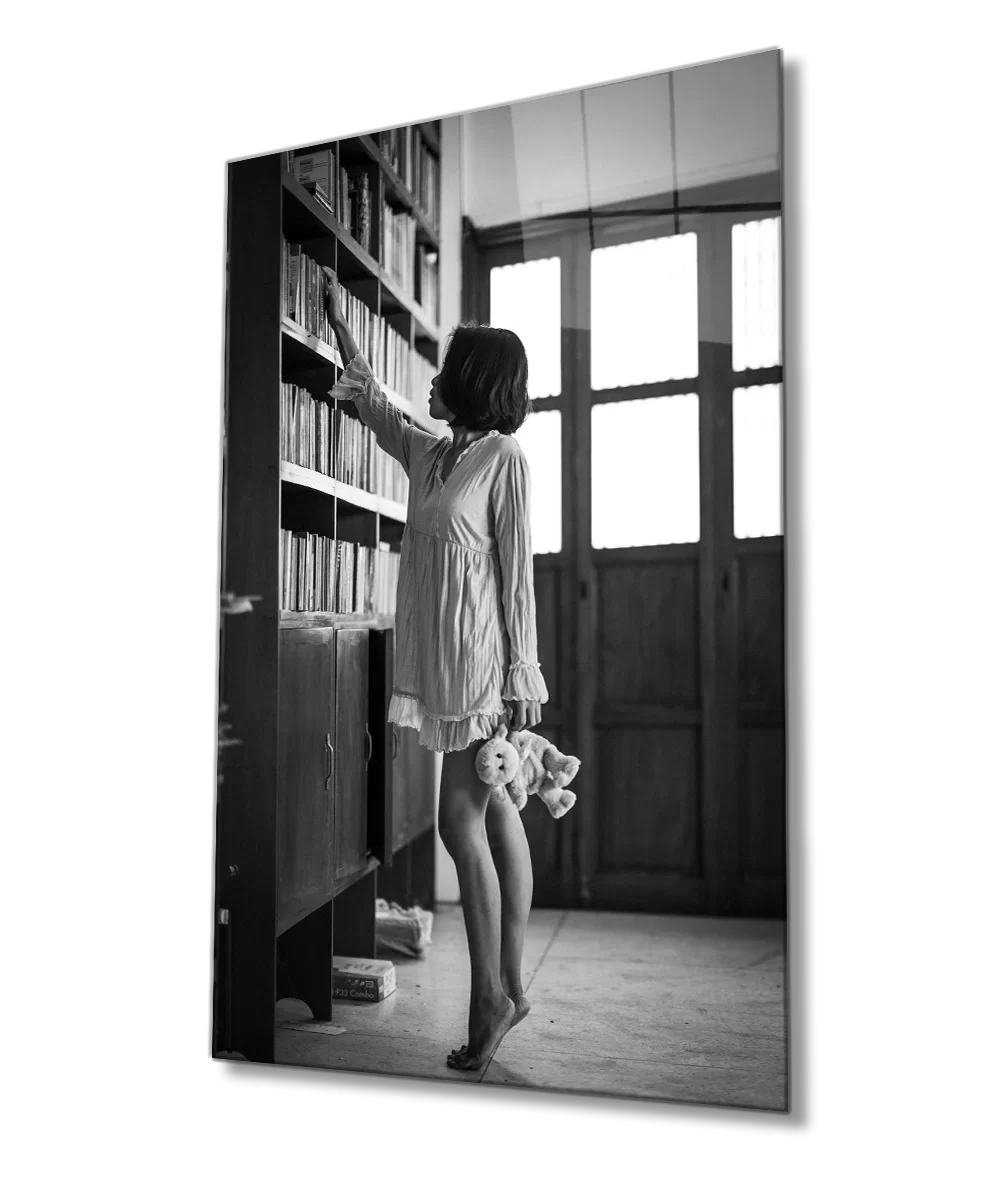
x=484, y=380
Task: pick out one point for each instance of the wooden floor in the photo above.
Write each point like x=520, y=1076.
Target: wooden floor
x=671, y=1008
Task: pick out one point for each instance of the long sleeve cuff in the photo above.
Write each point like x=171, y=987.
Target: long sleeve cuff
x=355, y=378
x=525, y=682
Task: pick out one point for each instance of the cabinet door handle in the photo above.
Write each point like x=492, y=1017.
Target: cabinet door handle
x=395, y=743
x=329, y=774
x=368, y=756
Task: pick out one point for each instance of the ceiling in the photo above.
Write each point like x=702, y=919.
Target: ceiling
x=622, y=141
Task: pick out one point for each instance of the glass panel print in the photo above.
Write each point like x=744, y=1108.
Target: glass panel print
x=757, y=294
x=757, y=461
x=540, y=438
x=525, y=298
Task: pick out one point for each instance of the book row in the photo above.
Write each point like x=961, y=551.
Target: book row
x=321, y=574
x=303, y=293
x=395, y=363
x=407, y=153
x=328, y=439
x=399, y=247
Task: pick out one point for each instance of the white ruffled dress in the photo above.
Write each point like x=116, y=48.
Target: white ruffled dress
x=465, y=606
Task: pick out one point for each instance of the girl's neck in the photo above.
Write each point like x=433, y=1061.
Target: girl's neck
x=465, y=437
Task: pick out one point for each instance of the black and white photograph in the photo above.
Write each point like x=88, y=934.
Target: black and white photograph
x=502, y=707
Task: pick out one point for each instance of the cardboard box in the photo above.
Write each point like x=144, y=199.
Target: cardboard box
x=369, y=979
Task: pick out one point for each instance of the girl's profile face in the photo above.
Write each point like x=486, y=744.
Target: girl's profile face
x=437, y=408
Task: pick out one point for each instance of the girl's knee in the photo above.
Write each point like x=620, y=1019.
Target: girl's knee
x=462, y=810
x=460, y=835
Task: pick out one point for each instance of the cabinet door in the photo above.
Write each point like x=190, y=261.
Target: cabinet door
x=305, y=768
x=380, y=780
x=352, y=747
x=413, y=787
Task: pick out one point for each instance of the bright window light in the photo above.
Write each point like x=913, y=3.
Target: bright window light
x=526, y=298
x=757, y=461
x=540, y=438
x=757, y=294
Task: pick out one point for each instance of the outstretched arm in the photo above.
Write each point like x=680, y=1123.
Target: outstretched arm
x=345, y=339
x=358, y=384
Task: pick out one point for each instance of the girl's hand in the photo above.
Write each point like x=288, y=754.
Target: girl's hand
x=330, y=278
x=525, y=713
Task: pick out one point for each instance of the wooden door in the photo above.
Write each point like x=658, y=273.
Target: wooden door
x=305, y=758
x=352, y=749
x=663, y=649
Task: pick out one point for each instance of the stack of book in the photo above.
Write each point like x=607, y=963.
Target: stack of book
x=317, y=435
x=406, y=152
x=427, y=273
x=316, y=173
x=363, y=323
x=303, y=293
x=307, y=429
x=425, y=186
x=321, y=574
x=355, y=204
x=395, y=364
x=399, y=244
x=397, y=147
x=354, y=460
x=347, y=194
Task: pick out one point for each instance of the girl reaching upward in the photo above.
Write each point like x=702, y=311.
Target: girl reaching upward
x=466, y=646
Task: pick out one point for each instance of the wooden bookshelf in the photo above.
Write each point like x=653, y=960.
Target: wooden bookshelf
x=344, y=492
x=318, y=793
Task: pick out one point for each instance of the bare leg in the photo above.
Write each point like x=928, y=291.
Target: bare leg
x=462, y=823
x=512, y=858
x=509, y=846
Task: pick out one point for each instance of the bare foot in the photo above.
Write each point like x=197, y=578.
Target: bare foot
x=521, y=1009
x=487, y=1029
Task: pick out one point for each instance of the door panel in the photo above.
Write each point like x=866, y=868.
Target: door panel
x=413, y=787
x=650, y=806
x=762, y=825
x=647, y=632
x=351, y=751
x=760, y=717
x=380, y=766
x=305, y=765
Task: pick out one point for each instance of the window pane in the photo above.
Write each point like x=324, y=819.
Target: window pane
x=757, y=461
x=644, y=312
x=541, y=440
x=644, y=457
x=525, y=298
x=756, y=295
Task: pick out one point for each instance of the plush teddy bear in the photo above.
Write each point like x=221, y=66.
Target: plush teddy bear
x=497, y=763
x=525, y=764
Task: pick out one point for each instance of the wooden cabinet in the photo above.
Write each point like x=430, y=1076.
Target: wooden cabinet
x=305, y=768
x=352, y=751
x=412, y=787
x=380, y=774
